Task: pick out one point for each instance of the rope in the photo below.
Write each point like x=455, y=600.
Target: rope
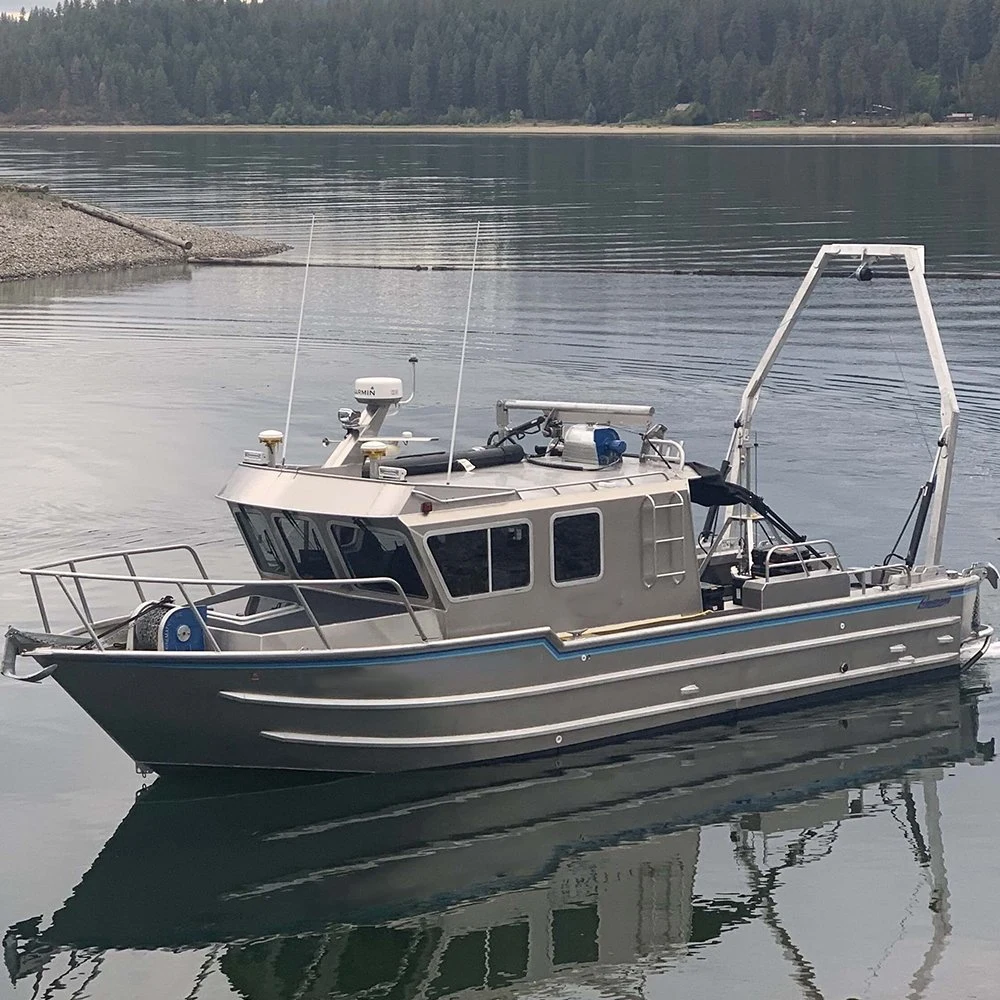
x=913, y=405
x=902, y=531
x=163, y=602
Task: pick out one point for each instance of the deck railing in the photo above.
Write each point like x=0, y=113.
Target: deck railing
x=818, y=556
x=69, y=578
x=424, y=490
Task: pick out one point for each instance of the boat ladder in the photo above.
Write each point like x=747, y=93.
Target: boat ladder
x=662, y=526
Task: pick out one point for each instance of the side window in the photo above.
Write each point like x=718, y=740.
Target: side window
x=301, y=538
x=576, y=547
x=484, y=561
x=463, y=560
x=253, y=526
x=510, y=557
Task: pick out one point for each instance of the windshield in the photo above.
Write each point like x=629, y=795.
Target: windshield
x=253, y=525
x=301, y=538
x=375, y=551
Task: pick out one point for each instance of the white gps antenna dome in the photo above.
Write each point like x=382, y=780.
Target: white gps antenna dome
x=378, y=390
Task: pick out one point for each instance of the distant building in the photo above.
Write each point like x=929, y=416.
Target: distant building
x=681, y=108
x=960, y=116
x=761, y=115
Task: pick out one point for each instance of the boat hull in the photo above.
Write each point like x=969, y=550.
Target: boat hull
x=451, y=703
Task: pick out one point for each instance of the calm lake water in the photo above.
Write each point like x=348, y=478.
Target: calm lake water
x=839, y=852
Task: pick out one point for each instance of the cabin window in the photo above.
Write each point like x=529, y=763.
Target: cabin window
x=575, y=933
x=463, y=559
x=254, y=528
x=576, y=547
x=370, y=551
x=301, y=538
x=483, y=561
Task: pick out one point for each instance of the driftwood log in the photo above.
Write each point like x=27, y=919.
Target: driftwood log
x=119, y=220
x=32, y=188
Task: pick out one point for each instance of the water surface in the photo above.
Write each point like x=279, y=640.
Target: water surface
x=555, y=202
x=840, y=852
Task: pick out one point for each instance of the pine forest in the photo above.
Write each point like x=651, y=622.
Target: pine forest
x=471, y=61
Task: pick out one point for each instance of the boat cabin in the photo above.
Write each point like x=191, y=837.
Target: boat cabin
x=580, y=536
x=577, y=537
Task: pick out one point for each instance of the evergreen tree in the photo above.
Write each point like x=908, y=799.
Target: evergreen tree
x=225, y=60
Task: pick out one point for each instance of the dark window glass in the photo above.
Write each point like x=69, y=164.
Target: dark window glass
x=301, y=538
x=462, y=967
x=510, y=557
x=372, y=959
x=508, y=954
x=462, y=559
x=369, y=551
x=254, y=528
x=481, y=562
x=574, y=935
x=576, y=547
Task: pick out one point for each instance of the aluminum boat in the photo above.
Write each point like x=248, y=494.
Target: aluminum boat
x=417, y=609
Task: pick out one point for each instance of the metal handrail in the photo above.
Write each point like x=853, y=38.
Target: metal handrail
x=820, y=559
x=125, y=555
x=297, y=586
x=518, y=492
x=506, y=494
x=676, y=456
x=595, y=484
x=147, y=550
x=860, y=573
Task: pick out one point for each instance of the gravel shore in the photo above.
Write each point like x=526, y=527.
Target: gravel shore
x=39, y=235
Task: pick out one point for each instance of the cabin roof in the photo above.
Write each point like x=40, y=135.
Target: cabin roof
x=342, y=491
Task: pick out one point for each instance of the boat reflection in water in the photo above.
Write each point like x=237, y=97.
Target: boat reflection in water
x=499, y=877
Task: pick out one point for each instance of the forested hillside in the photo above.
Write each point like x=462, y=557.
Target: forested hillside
x=313, y=61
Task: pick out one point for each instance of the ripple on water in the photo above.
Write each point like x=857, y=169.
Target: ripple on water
x=127, y=398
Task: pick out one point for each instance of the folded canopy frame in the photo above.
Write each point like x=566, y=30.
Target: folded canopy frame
x=912, y=256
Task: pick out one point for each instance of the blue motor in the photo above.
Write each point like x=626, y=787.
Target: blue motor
x=590, y=446
x=609, y=446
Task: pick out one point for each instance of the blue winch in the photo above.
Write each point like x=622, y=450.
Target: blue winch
x=164, y=628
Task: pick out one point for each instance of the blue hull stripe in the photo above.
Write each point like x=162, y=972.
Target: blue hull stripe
x=201, y=661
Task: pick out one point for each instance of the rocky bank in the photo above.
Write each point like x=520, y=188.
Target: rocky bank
x=40, y=235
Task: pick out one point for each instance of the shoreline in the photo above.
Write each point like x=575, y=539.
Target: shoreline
x=42, y=234
x=731, y=131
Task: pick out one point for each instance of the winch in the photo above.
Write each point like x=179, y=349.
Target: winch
x=583, y=446
x=162, y=627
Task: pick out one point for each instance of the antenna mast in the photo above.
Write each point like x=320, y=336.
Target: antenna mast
x=461, y=363
x=298, y=341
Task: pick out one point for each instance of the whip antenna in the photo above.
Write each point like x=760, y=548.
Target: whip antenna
x=461, y=363
x=298, y=341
